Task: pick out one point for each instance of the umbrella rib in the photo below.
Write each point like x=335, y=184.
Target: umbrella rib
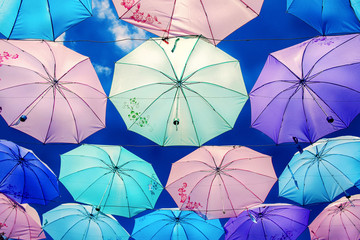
x=342, y=223
x=153, y=222
x=170, y=21
x=244, y=186
x=51, y=20
x=194, y=226
x=290, y=219
x=263, y=228
x=208, y=195
x=203, y=98
x=339, y=154
x=35, y=102
x=86, y=189
x=305, y=115
x=89, y=11
x=227, y=193
x=353, y=216
x=329, y=69
x=198, y=161
x=93, y=157
x=308, y=89
x=186, y=175
x=41, y=187
x=273, y=99
x=247, y=6
x=244, y=170
x=330, y=83
x=27, y=69
x=187, y=59
x=208, y=22
x=287, y=236
x=303, y=190
x=327, y=53
x=66, y=232
x=82, y=170
x=286, y=106
x=168, y=119
x=294, y=82
x=17, y=15
x=82, y=84
x=241, y=159
x=52, y=115
x=217, y=85
x=212, y=158
x=75, y=65
x=135, y=170
x=323, y=183
x=332, y=174
x=128, y=9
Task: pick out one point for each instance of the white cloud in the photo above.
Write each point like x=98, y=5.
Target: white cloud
x=120, y=30
x=102, y=69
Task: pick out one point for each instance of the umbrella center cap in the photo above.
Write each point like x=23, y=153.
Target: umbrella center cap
x=178, y=83
x=217, y=170
x=177, y=219
x=302, y=81
x=260, y=215
x=116, y=168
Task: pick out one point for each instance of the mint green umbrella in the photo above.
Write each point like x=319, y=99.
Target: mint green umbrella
x=180, y=91
x=111, y=178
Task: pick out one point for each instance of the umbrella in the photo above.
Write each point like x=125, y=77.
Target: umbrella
x=41, y=19
x=24, y=177
x=182, y=93
x=176, y=225
x=50, y=92
x=75, y=221
x=19, y=221
x=323, y=171
x=268, y=221
x=339, y=220
x=211, y=179
x=308, y=90
x=214, y=20
x=327, y=17
x=111, y=178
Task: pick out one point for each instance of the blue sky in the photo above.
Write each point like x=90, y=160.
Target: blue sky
x=106, y=39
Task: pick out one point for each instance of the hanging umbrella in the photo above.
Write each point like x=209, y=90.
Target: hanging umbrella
x=182, y=93
x=268, y=222
x=214, y=20
x=110, y=177
x=19, y=221
x=221, y=181
x=41, y=19
x=24, y=177
x=323, y=171
x=327, y=17
x=176, y=225
x=339, y=220
x=308, y=90
x=75, y=221
x=49, y=91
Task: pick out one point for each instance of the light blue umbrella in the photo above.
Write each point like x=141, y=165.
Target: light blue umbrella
x=323, y=171
x=41, y=19
x=81, y=222
x=173, y=224
x=110, y=178
x=327, y=17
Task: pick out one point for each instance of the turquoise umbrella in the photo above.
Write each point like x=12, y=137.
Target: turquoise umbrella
x=111, y=178
x=181, y=92
x=176, y=225
x=73, y=221
x=323, y=171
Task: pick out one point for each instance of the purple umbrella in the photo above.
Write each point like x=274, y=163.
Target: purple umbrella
x=308, y=90
x=268, y=221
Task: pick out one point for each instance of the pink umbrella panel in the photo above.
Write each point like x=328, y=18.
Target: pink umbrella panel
x=214, y=20
x=19, y=221
x=50, y=91
x=221, y=181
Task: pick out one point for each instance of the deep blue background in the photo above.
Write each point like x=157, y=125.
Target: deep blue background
x=273, y=30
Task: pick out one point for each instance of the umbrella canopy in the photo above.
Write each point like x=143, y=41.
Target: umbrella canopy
x=111, y=178
x=185, y=92
x=339, y=220
x=211, y=179
x=176, y=225
x=24, y=177
x=215, y=20
x=75, y=221
x=49, y=91
x=308, y=90
x=268, y=222
x=327, y=17
x=323, y=171
x=42, y=19
x=19, y=221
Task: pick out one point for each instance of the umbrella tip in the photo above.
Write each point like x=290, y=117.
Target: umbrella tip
x=330, y=119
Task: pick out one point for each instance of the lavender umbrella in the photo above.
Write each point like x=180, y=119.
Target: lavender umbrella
x=268, y=221
x=308, y=90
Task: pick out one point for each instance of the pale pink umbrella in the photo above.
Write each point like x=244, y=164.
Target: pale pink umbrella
x=221, y=181
x=49, y=91
x=19, y=221
x=213, y=19
x=339, y=220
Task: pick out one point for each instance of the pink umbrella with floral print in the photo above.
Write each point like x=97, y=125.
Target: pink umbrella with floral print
x=49, y=91
x=19, y=221
x=221, y=181
x=213, y=19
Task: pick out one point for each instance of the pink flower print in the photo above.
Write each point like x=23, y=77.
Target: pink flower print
x=149, y=19
x=128, y=4
x=192, y=205
x=6, y=55
x=15, y=56
x=138, y=16
x=182, y=193
x=2, y=225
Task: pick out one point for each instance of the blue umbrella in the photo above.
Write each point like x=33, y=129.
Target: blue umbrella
x=24, y=177
x=41, y=19
x=176, y=225
x=327, y=17
x=81, y=222
x=323, y=171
